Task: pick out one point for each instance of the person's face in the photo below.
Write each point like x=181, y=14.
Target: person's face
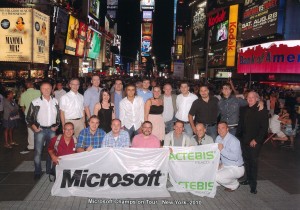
x=118, y=85
x=59, y=86
x=184, y=88
x=130, y=91
x=95, y=81
x=105, y=96
x=222, y=129
x=226, y=91
x=251, y=98
x=19, y=21
x=147, y=129
x=146, y=84
x=10, y=96
x=168, y=90
x=153, y=83
x=200, y=130
x=74, y=85
x=178, y=128
x=68, y=131
x=46, y=89
x=116, y=126
x=204, y=92
x=139, y=85
x=156, y=92
x=94, y=123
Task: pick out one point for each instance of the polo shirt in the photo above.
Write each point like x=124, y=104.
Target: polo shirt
x=62, y=147
x=28, y=96
x=140, y=142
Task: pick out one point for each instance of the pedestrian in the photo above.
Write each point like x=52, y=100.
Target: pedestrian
x=60, y=91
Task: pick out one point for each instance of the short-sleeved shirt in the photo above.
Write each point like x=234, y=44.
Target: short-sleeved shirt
x=91, y=97
x=72, y=104
x=205, y=112
x=86, y=138
x=144, y=94
x=28, y=96
x=123, y=140
x=62, y=147
x=140, y=142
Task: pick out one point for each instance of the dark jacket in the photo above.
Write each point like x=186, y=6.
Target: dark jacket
x=253, y=124
x=33, y=111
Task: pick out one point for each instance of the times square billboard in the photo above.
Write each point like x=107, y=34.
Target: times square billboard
x=198, y=29
x=262, y=18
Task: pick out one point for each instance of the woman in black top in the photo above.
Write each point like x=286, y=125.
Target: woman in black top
x=105, y=110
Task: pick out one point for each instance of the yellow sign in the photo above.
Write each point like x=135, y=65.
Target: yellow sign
x=232, y=32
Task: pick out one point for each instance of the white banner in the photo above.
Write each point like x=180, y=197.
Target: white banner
x=113, y=173
x=193, y=169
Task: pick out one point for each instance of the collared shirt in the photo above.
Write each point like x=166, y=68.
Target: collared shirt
x=123, y=140
x=86, y=138
x=132, y=114
x=47, y=112
x=27, y=97
x=205, y=112
x=72, y=105
x=59, y=93
x=91, y=97
x=230, y=109
x=184, y=104
x=118, y=98
x=206, y=139
x=144, y=94
x=168, y=113
x=231, y=154
x=140, y=142
x=62, y=147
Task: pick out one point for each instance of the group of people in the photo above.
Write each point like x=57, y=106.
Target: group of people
x=141, y=116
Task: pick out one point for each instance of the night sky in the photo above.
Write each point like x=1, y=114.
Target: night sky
x=129, y=27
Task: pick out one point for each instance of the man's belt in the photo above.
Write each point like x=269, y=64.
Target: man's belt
x=45, y=127
x=185, y=122
x=75, y=119
x=209, y=125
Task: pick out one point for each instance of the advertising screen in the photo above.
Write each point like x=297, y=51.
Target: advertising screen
x=94, y=45
x=217, y=55
x=81, y=40
x=61, y=30
x=112, y=4
x=72, y=35
x=94, y=8
x=147, y=4
x=147, y=29
x=41, y=35
x=198, y=28
x=146, y=45
x=261, y=18
x=272, y=57
x=147, y=16
x=16, y=34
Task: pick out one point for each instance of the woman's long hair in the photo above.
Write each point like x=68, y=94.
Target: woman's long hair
x=104, y=90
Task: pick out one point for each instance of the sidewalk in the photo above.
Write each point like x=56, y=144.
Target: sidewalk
x=278, y=186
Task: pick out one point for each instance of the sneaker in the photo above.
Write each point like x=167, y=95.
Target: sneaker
x=25, y=151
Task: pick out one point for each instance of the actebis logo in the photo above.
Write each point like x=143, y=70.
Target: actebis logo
x=82, y=178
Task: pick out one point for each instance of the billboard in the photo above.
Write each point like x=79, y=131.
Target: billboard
x=81, y=40
x=222, y=3
x=16, y=34
x=72, y=35
x=94, y=8
x=262, y=18
x=218, y=25
x=232, y=33
x=41, y=35
x=94, y=46
x=146, y=45
x=198, y=28
x=61, y=30
x=112, y=4
x=147, y=29
x=112, y=14
x=217, y=55
x=147, y=16
x=272, y=57
x=147, y=4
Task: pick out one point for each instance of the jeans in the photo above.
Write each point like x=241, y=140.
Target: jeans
x=40, y=138
x=188, y=129
x=132, y=132
x=212, y=131
x=169, y=125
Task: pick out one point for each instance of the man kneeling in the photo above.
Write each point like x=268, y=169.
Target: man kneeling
x=231, y=165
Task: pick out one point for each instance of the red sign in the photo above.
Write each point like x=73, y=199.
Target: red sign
x=216, y=18
x=272, y=57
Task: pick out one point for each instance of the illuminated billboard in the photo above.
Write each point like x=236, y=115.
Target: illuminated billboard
x=262, y=18
x=81, y=40
x=72, y=35
x=147, y=4
x=272, y=57
x=112, y=4
x=232, y=35
x=94, y=8
x=147, y=16
x=41, y=35
x=16, y=34
x=146, y=45
x=61, y=30
x=218, y=25
x=94, y=46
x=147, y=29
x=198, y=28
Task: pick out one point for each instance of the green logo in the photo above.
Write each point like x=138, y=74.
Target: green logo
x=192, y=156
x=205, y=186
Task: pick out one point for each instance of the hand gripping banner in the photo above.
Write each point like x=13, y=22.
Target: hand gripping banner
x=193, y=169
x=113, y=173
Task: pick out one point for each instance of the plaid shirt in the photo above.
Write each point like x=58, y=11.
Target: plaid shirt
x=123, y=140
x=86, y=138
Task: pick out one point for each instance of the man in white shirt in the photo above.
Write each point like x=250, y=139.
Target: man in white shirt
x=91, y=96
x=170, y=108
x=71, y=107
x=132, y=111
x=59, y=92
x=184, y=102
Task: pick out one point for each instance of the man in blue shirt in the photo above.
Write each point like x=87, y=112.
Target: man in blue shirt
x=116, y=137
x=231, y=166
x=90, y=137
x=145, y=93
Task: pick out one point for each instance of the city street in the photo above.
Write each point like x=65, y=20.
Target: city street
x=278, y=186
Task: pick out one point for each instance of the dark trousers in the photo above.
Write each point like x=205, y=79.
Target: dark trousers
x=250, y=155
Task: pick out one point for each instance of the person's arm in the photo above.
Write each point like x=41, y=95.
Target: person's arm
x=97, y=109
x=86, y=104
x=122, y=113
x=232, y=87
x=191, y=120
x=147, y=109
x=62, y=118
x=113, y=112
x=263, y=128
x=232, y=152
x=54, y=158
x=87, y=111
